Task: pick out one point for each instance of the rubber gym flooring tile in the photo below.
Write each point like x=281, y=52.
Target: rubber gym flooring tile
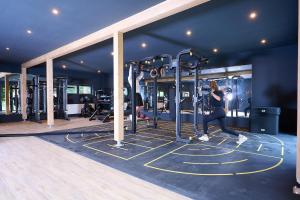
x=262, y=168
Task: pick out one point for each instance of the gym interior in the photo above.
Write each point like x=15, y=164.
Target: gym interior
x=149, y=99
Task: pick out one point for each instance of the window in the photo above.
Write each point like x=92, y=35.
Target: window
x=161, y=94
x=85, y=90
x=72, y=89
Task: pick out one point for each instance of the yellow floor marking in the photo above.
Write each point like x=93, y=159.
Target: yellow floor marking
x=223, y=163
x=104, y=152
x=67, y=137
x=238, y=145
x=222, y=141
x=232, y=162
x=193, y=149
x=137, y=139
x=259, y=147
x=205, y=149
x=138, y=145
x=155, y=138
x=165, y=155
x=117, y=147
x=247, y=152
x=158, y=135
x=206, y=155
x=282, y=151
x=263, y=170
x=192, y=163
x=280, y=141
x=150, y=150
x=270, y=143
x=187, y=173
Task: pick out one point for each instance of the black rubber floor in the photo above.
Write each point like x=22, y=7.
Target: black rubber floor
x=261, y=168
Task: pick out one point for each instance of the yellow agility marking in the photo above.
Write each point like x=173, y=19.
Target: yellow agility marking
x=223, y=163
x=222, y=141
x=233, y=162
x=263, y=170
x=192, y=163
x=259, y=147
x=187, y=173
x=150, y=150
x=165, y=155
x=280, y=141
x=204, y=155
x=282, y=151
x=67, y=137
x=155, y=138
x=104, y=152
x=158, y=135
x=247, y=152
x=193, y=149
x=137, y=139
x=238, y=145
x=205, y=149
x=138, y=145
x=117, y=147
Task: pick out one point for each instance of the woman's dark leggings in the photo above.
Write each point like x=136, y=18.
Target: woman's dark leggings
x=217, y=114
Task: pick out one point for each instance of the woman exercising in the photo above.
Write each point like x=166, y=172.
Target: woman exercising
x=217, y=104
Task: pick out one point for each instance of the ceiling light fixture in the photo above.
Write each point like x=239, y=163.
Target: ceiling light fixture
x=215, y=50
x=98, y=71
x=81, y=62
x=253, y=15
x=64, y=66
x=55, y=11
x=143, y=45
x=112, y=53
x=188, y=32
x=29, y=32
x=7, y=48
x=263, y=41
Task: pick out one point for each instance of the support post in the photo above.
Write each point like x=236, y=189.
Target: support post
x=297, y=188
x=24, y=93
x=7, y=101
x=133, y=98
x=50, y=103
x=154, y=99
x=118, y=88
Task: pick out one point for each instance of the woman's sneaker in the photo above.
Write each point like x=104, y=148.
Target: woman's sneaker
x=204, y=138
x=242, y=139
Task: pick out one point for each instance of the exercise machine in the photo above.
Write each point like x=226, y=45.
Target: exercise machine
x=195, y=63
x=60, y=110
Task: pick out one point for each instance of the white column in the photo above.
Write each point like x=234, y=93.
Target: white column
x=24, y=92
x=118, y=87
x=50, y=104
x=6, y=82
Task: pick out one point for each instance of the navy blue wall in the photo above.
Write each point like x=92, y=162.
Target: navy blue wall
x=274, y=80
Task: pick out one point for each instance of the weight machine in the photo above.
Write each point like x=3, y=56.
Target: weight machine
x=60, y=109
x=179, y=65
x=155, y=67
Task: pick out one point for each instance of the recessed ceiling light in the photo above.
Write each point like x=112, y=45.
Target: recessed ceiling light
x=263, y=41
x=98, y=71
x=81, y=62
x=112, y=53
x=215, y=50
x=55, y=11
x=188, y=32
x=253, y=15
x=29, y=32
x=7, y=48
x=64, y=66
x=144, y=45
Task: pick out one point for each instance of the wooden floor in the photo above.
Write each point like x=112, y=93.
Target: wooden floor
x=33, y=127
x=32, y=168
